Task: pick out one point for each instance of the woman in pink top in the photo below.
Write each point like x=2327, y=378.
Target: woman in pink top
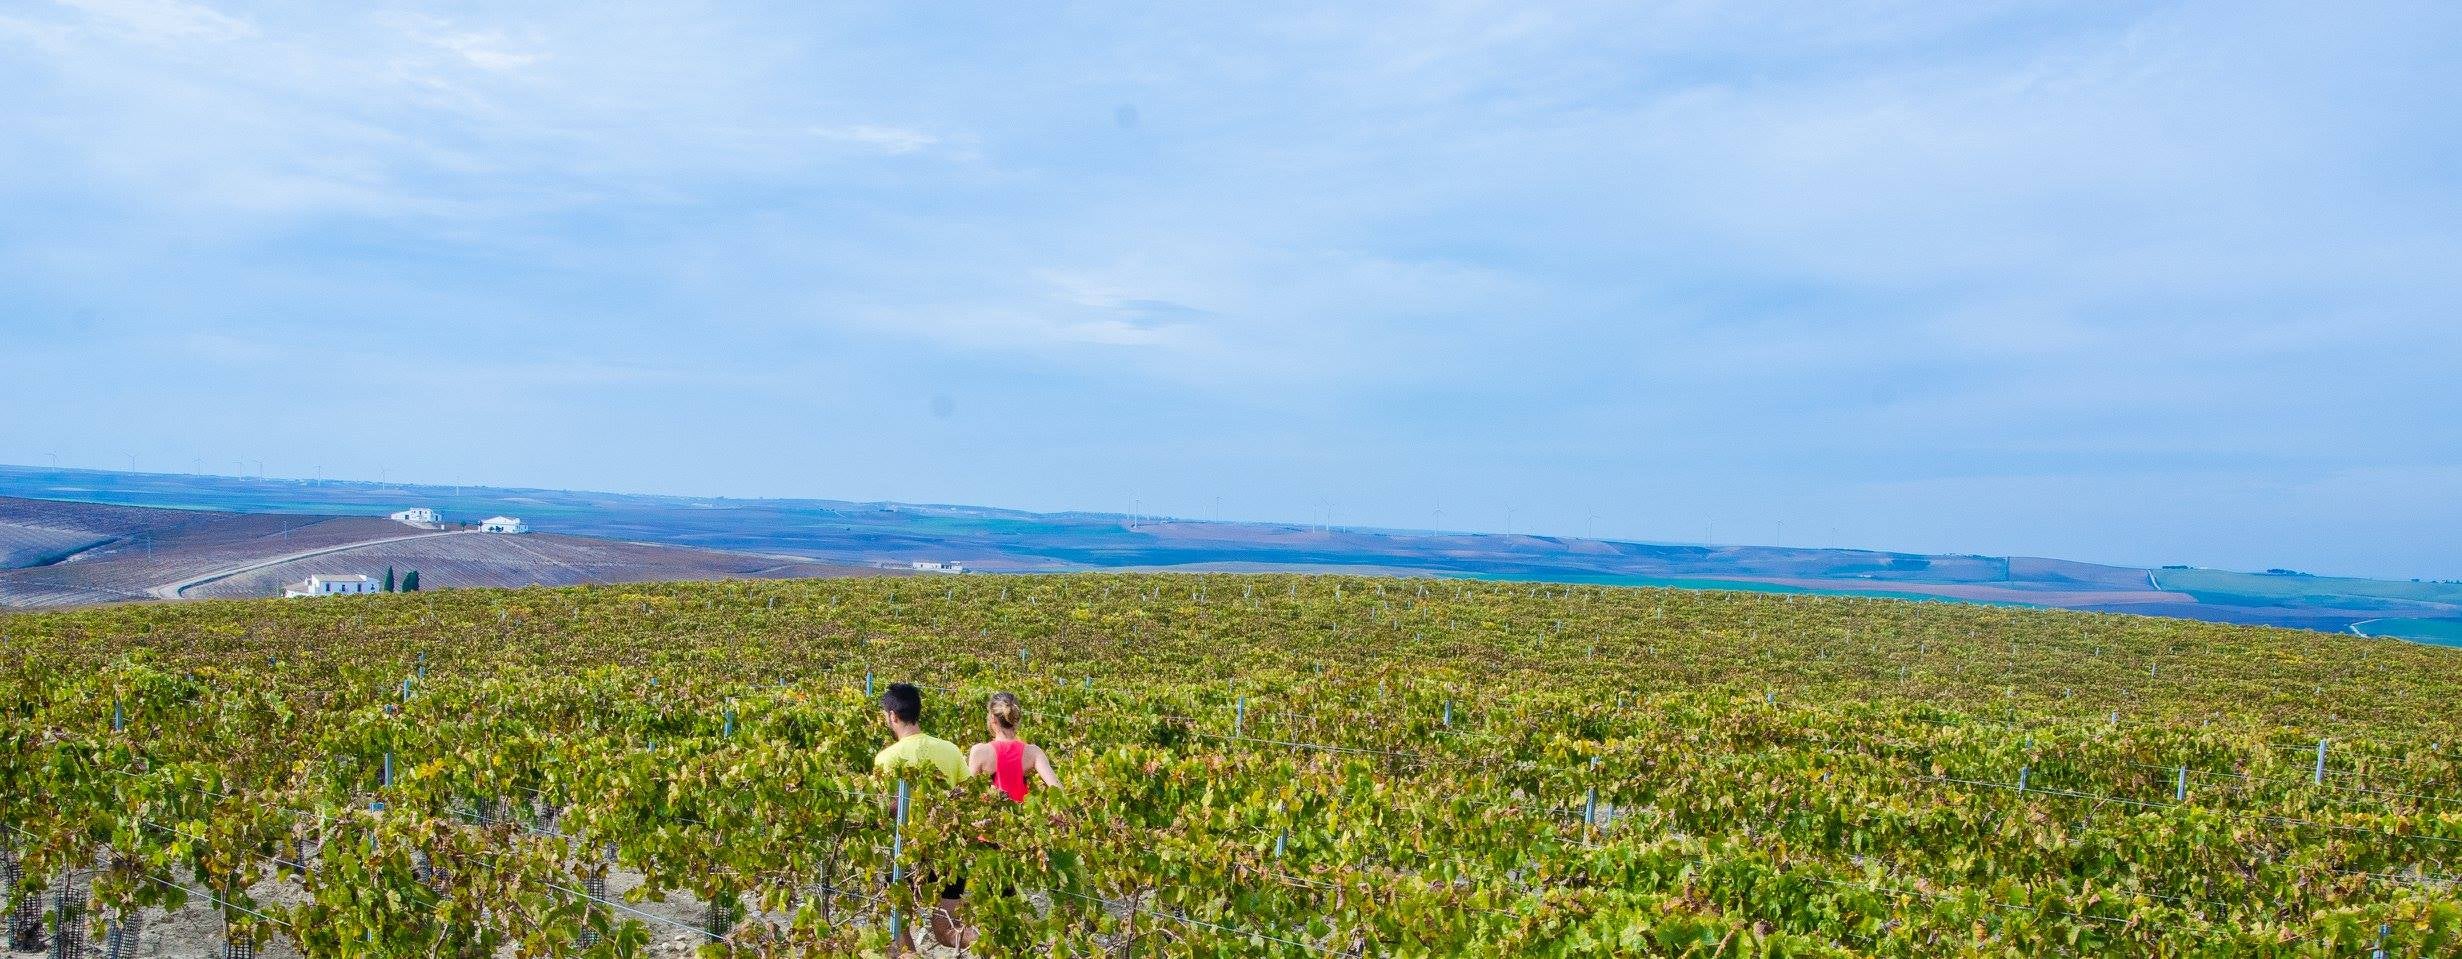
x=1006, y=757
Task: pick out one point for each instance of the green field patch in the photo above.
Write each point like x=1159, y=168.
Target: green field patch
x=2236, y=588
x=2441, y=632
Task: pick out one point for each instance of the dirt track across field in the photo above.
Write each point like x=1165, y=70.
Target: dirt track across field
x=173, y=590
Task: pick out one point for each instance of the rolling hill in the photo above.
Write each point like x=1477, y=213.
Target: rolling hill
x=843, y=534
x=72, y=554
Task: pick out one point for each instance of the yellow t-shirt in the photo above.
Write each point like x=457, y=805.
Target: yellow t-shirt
x=921, y=750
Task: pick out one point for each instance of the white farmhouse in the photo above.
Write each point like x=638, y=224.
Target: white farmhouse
x=927, y=566
x=417, y=516
x=503, y=524
x=330, y=586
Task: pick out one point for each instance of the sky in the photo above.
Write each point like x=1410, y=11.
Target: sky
x=2127, y=282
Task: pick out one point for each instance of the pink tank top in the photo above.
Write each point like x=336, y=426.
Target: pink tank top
x=1009, y=768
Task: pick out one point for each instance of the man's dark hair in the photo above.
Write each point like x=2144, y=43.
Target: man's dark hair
x=904, y=701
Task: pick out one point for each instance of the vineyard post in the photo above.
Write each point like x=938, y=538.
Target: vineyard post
x=2181, y=793
x=1448, y=713
x=384, y=780
x=1590, y=799
x=2021, y=778
x=1239, y=717
x=867, y=684
x=67, y=918
x=2379, y=951
x=25, y=922
x=2320, y=761
x=121, y=932
x=897, y=870
x=119, y=719
x=232, y=946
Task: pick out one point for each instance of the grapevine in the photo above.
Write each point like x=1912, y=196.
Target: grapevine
x=1258, y=765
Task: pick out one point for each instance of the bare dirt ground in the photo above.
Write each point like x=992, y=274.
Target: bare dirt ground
x=196, y=931
x=56, y=554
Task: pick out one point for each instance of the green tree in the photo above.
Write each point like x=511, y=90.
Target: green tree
x=410, y=582
x=388, y=579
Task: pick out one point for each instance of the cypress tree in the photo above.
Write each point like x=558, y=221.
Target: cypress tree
x=410, y=582
x=388, y=579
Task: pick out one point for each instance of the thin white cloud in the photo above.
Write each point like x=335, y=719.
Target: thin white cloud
x=165, y=21
x=488, y=50
x=1054, y=328
x=883, y=139
x=1117, y=331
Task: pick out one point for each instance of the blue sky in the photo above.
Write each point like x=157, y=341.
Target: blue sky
x=2132, y=282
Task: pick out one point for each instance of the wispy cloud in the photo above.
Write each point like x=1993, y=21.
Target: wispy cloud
x=164, y=21
x=892, y=140
x=488, y=50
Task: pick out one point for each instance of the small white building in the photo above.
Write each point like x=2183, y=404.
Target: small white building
x=418, y=516
x=331, y=586
x=927, y=566
x=503, y=524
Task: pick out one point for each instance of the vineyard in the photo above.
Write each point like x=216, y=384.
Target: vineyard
x=1254, y=765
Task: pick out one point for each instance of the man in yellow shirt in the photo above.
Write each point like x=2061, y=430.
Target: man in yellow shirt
x=916, y=750
x=902, y=707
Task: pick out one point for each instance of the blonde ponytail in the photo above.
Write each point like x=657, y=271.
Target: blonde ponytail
x=1005, y=710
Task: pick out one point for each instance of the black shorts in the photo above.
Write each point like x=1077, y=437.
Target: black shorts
x=953, y=889
x=956, y=888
